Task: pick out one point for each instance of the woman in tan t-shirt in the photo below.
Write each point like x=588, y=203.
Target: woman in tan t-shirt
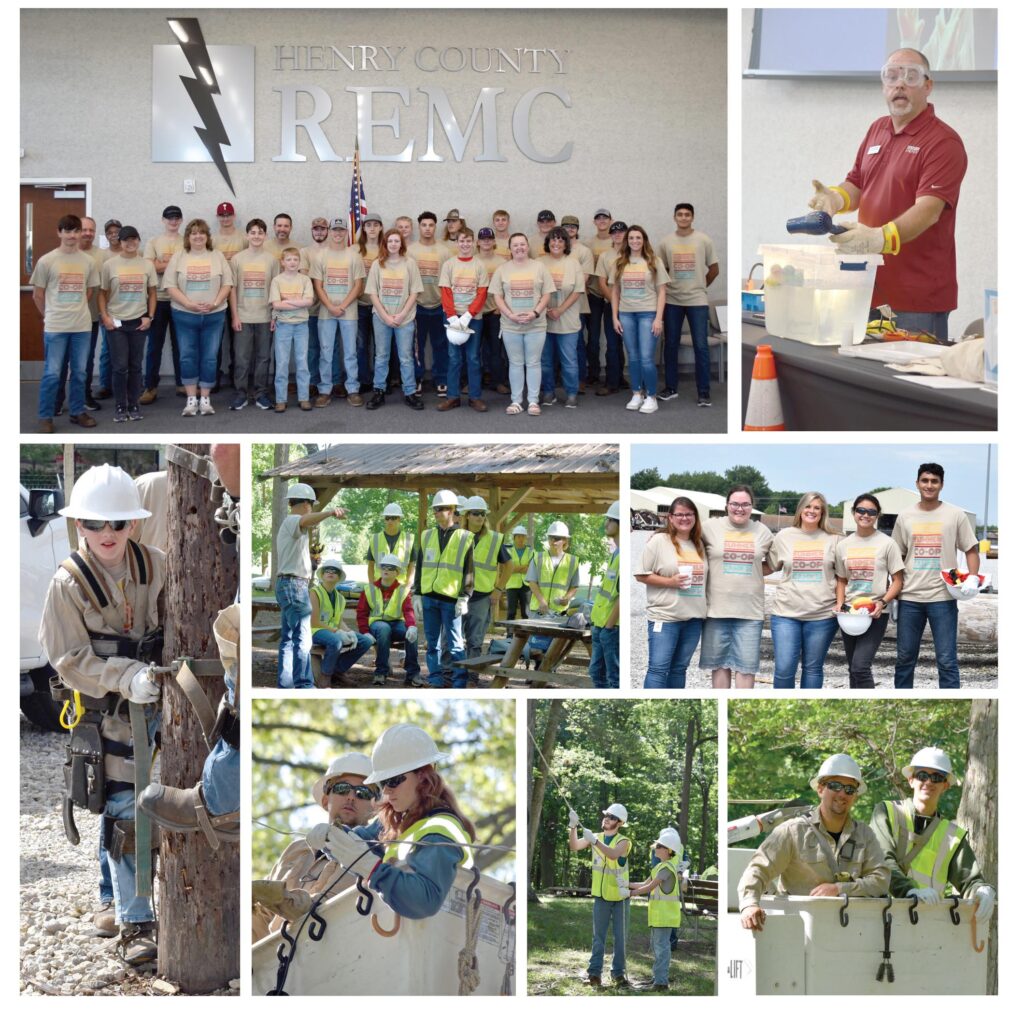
x=803, y=620
x=673, y=568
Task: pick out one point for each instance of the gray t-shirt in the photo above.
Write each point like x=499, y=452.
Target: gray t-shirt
x=293, y=549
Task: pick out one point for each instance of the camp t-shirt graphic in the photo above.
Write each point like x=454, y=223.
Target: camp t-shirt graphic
x=392, y=288
x=521, y=288
x=131, y=291
x=634, y=281
x=254, y=282
x=684, y=262
x=337, y=278
x=687, y=556
x=808, y=562
x=464, y=283
x=860, y=570
x=429, y=265
x=927, y=547
x=70, y=286
x=738, y=556
x=197, y=276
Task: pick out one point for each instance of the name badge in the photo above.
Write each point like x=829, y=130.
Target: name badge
x=874, y=150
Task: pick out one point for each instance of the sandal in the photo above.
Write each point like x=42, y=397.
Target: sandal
x=534, y=410
x=513, y=408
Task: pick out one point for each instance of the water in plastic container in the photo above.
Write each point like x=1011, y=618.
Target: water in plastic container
x=814, y=295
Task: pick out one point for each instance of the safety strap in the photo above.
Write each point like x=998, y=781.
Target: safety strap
x=829, y=849
x=200, y=465
x=923, y=837
x=189, y=685
x=143, y=828
x=92, y=585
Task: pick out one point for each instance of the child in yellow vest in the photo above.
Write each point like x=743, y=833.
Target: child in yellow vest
x=664, y=913
x=342, y=646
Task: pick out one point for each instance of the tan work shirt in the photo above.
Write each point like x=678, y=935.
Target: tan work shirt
x=795, y=855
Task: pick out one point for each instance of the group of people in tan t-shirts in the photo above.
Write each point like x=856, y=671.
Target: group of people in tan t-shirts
x=705, y=584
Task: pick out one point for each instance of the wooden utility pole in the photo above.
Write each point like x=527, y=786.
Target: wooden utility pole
x=199, y=887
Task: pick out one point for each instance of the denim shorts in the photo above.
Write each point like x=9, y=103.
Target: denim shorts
x=733, y=643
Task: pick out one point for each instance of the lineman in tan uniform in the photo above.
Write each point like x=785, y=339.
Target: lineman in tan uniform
x=300, y=873
x=100, y=629
x=823, y=854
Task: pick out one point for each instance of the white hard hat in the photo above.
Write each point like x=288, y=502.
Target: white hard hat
x=854, y=623
x=558, y=529
x=357, y=763
x=520, y=531
x=390, y=559
x=839, y=765
x=393, y=509
x=403, y=747
x=444, y=497
x=460, y=502
x=955, y=585
x=458, y=336
x=931, y=758
x=302, y=492
x=617, y=811
x=105, y=492
x=613, y=511
x=332, y=563
x=670, y=838
x=475, y=504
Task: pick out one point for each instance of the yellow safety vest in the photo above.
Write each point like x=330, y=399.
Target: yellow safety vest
x=380, y=610
x=517, y=580
x=607, y=593
x=403, y=551
x=665, y=910
x=485, y=561
x=930, y=865
x=554, y=580
x=443, y=823
x=610, y=880
x=442, y=573
x=329, y=615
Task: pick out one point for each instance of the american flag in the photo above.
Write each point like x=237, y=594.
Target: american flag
x=357, y=199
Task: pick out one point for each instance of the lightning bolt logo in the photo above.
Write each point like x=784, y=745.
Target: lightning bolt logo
x=201, y=88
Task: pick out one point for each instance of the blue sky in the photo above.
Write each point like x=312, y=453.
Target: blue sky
x=838, y=471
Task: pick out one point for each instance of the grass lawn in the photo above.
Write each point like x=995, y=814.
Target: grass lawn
x=559, y=932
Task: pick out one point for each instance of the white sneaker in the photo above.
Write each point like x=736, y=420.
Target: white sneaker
x=205, y=406
x=636, y=402
x=191, y=407
x=650, y=405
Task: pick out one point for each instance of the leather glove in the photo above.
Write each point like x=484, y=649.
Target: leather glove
x=825, y=199
x=461, y=606
x=411, y=634
x=574, y=820
x=317, y=837
x=344, y=847
x=589, y=836
x=861, y=239
x=970, y=587
x=142, y=688
x=348, y=639
x=465, y=318
x=986, y=897
x=925, y=894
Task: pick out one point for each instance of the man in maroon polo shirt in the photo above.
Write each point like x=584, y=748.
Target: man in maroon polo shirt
x=904, y=187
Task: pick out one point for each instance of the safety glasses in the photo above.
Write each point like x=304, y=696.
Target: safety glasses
x=936, y=778
x=910, y=74
x=361, y=791
x=866, y=512
x=837, y=785
x=392, y=519
x=476, y=512
x=392, y=782
x=97, y=525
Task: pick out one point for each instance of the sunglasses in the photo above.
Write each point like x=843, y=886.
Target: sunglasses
x=836, y=785
x=474, y=512
x=388, y=568
x=392, y=782
x=936, y=778
x=444, y=508
x=390, y=519
x=361, y=791
x=866, y=512
x=97, y=525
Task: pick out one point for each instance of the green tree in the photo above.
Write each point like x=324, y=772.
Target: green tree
x=752, y=477
x=645, y=479
x=703, y=480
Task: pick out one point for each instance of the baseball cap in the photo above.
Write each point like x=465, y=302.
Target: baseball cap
x=319, y=221
x=570, y=220
x=452, y=215
x=128, y=233
x=618, y=227
x=373, y=217
x=602, y=211
x=545, y=215
x=225, y=208
x=485, y=233
x=111, y=222
x=339, y=224
x=172, y=212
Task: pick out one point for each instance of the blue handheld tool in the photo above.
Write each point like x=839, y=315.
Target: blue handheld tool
x=817, y=224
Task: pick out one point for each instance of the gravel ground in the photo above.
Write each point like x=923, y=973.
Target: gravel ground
x=59, y=957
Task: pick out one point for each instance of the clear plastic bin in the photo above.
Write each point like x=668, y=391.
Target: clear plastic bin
x=814, y=295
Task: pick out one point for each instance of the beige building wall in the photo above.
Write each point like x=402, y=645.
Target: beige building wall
x=647, y=123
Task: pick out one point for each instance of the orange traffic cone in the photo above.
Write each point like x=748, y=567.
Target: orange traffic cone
x=764, y=408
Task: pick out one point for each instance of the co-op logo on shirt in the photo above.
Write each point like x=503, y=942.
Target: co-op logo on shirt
x=203, y=100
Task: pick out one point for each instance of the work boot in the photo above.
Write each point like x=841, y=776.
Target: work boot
x=449, y=404
x=621, y=982
x=594, y=981
x=184, y=810
x=355, y=399
x=479, y=405
x=82, y=420
x=104, y=923
x=137, y=946
x=376, y=400
x=322, y=400
x=46, y=425
x=414, y=402
x=148, y=397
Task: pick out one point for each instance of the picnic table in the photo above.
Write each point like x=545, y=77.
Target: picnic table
x=501, y=667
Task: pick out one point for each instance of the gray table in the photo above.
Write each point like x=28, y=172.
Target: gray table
x=822, y=391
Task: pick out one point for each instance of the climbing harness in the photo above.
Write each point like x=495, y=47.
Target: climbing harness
x=885, y=968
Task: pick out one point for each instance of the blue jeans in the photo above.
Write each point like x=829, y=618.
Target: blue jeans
x=607, y=912
x=127, y=906
x=441, y=625
x=567, y=358
x=941, y=617
x=106, y=880
x=403, y=340
x=313, y=355
x=430, y=325
x=640, y=345
x=289, y=335
x=163, y=320
x=794, y=640
x=348, y=329
x=524, y=354
x=669, y=652
x=601, y=311
x=105, y=369
x=221, y=787
x=199, y=338
x=604, y=657
x=469, y=352
x=383, y=633
x=698, y=319
x=936, y=322
x=661, y=947
x=492, y=352
x=364, y=344
x=57, y=346
x=293, y=669
x=337, y=660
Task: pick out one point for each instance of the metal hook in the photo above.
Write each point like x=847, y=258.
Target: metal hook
x=473, y=883
x=285, y=953
x=844, y=918
x=914, y=916
x=365, y=902
x=386, y=932
x=954, y=915
x=507, y=906
x=886, y=917
x=317, y=925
